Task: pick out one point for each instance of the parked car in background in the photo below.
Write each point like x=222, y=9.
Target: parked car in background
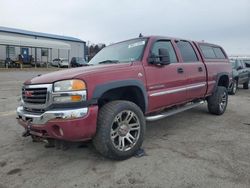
x=60, y=62
x=241, y=75
x=38, y=63
x=78, y=62
x=247, y=63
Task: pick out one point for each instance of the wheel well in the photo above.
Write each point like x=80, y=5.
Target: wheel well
x=129, y=93
x=223, y=81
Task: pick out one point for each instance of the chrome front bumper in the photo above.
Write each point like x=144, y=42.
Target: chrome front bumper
x=49, y=115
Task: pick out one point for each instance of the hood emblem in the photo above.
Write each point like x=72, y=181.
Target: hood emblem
x=28, y=93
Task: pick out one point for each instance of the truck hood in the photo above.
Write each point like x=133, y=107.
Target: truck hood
x=74, y=72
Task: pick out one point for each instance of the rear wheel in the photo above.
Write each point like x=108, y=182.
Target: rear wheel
x=246, y=85
x=120, y=130
x=217, y=103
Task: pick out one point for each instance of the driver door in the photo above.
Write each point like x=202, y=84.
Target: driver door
x=165, y=83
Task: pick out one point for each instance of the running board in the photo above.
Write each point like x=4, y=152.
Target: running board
x=172, y=112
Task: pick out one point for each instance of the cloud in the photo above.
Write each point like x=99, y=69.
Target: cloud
x=220, y=21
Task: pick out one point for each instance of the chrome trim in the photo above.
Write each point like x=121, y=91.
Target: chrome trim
x=196, y=86
x=167, y=92
x=49, y=115
x=48, y=96
x=157, y=86
x=172, y=112
x=70, y=93
x=37, y=86
x=176, y=90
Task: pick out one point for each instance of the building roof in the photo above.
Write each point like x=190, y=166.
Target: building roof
x=29, y=42
x=38, y=34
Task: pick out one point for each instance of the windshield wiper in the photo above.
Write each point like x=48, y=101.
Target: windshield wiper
x=108, y=61
x=86, y=64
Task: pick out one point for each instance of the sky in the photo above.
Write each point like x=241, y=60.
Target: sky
x=223, y=22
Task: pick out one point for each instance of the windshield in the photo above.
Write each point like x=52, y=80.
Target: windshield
x=127, y=51
x=80, y=60
x=247, y=62
x=233, y=62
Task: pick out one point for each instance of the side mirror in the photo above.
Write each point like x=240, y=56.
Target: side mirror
x=162, y=59
x=164, y=56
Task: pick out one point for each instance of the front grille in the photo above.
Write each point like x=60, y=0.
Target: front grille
x=34, y=95
x=38, y=111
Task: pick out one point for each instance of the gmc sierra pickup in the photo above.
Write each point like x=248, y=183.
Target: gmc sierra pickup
x=125, y=85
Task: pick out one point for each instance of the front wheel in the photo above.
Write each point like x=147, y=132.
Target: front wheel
x=217, y=103
x=120, y=130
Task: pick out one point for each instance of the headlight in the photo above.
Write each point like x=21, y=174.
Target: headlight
x=69, y=91
x=69, y=85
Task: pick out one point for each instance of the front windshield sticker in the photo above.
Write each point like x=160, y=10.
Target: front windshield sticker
x=136, y=44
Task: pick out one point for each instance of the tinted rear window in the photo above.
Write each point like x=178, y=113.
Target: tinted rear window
x=208, y=52
x=211, y=52
x=218, y=53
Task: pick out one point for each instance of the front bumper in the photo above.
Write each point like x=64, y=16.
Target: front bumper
x=50, y=115
x=70, y=124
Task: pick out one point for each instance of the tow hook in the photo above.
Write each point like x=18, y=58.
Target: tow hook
x=27, y=131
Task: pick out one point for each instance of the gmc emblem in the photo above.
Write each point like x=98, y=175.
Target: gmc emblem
x=28, y=93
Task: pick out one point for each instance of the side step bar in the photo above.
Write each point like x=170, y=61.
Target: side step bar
x=172, y=112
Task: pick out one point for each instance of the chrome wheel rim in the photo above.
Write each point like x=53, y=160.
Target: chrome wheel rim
x=125, y=130
x=223, y=102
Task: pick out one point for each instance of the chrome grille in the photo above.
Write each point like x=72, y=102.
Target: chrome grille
x=34, y=95
x=38, y=111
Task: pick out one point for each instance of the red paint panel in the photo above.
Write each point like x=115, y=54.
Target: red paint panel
x=73, y=130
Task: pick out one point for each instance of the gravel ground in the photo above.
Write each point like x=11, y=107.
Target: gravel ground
x=190, y=149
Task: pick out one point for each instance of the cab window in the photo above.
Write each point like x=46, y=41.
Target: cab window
x=166, y=45
x=207, y=52
x=187, y=52
x=212, y=52
x=218, y=53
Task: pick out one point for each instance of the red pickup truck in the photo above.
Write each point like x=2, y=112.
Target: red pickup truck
x=125, y=85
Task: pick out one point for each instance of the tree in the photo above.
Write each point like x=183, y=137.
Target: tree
x=93, y=49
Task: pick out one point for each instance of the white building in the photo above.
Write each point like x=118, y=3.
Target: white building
x=42, y=47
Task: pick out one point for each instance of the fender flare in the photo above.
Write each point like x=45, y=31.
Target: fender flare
x=101, y=89
x=218, y=76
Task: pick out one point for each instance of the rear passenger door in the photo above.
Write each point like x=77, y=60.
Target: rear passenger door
x=193, y=68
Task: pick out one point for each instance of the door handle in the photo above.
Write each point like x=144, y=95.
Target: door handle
x=180, y=70
x=200, y=69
